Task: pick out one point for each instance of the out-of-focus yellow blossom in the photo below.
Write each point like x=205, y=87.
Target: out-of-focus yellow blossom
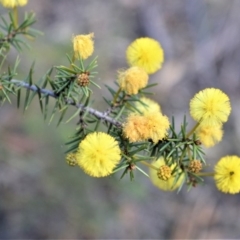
x=209, y=135
x=165, y=185
x=13, y=3
x=146, y=53
x=98, y=154
x=132, y=80
x=83, y=45
x=227, y=174
x=146, y=105
x=210, y=106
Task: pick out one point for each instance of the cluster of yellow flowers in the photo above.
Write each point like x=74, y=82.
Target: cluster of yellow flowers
x=99, y=153
x=211, y=108
x=144, y=56
x=146, y=123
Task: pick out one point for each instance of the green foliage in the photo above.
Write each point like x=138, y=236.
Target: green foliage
x=11, y=32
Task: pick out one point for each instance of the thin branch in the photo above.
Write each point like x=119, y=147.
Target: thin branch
x=96, y=113
x=33, y=88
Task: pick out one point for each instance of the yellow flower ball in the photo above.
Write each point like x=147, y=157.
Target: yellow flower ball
x=13, y=3
x=165, y=185
x=146, y=53
x=157, y=126
x=132, y=80
x=134, y=127
x=83, y=46
x=98, y=154
x=210, y=106
x=227, y=174
x=152, y=126
x=209, y=135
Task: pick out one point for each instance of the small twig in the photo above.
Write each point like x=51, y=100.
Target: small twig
x=33, y=88
x=96, y=113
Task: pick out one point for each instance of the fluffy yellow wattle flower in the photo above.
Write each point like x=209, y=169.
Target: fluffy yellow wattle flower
x=209, y=135
x=13, y=3
x=146, y=53
x=211, y=106
x=165, y=185
x=83, y=45
x=152, y=126
x=227, y=174
x=98, y=154
x=156, y=127
x=132, y=80
x=134, y=127
x=146, y=105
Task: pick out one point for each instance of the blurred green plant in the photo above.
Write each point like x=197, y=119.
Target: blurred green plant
x=134, y=130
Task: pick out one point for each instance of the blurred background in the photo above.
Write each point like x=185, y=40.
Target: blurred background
x=41, y=197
